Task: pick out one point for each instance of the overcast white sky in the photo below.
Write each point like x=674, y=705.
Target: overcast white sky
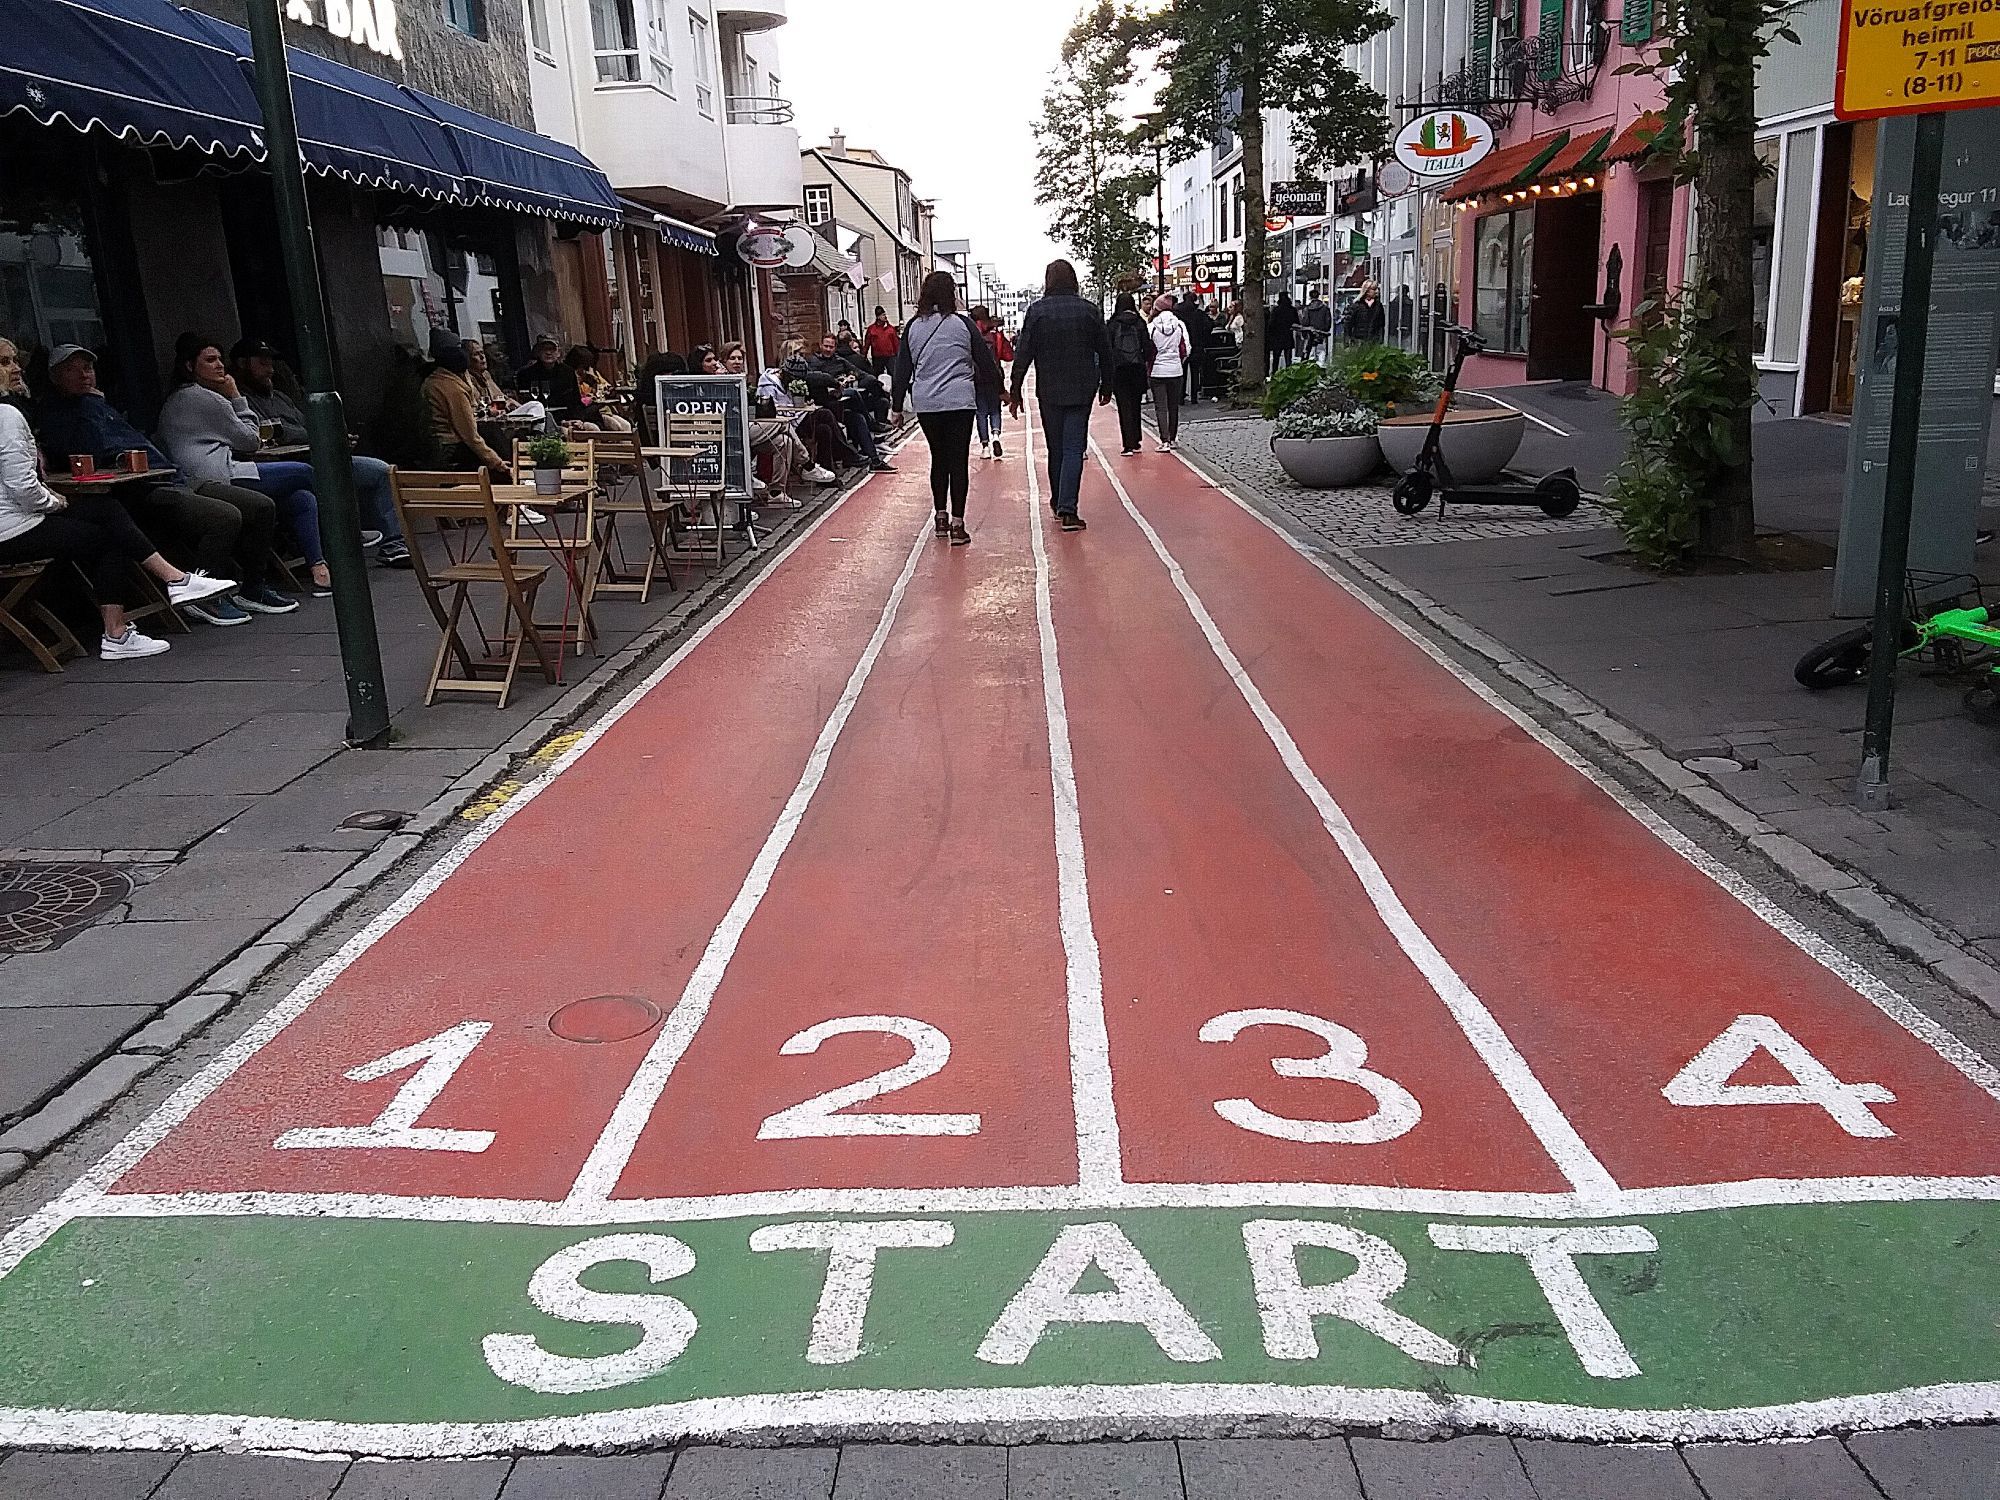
x=949, y=91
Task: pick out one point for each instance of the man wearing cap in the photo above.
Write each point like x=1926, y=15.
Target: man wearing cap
x=548, y=380
x=222, y=529
x=255, y=363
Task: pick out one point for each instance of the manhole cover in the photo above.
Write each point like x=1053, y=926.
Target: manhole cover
x=605, y=1018
x=375, y=819
x=44, y=905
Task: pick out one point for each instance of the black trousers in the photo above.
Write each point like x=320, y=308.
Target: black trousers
x=950, y=435
x=95, y=533
x=1129, y=386
x=223, y=529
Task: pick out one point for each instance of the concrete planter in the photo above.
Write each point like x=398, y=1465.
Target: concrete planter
x=1327, y=463
x=1477, y=442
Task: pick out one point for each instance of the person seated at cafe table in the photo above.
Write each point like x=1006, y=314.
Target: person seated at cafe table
x=819, y=429
x=93, y=531
x=456, y=442
x=254, y=363
x=212, y=436
x=488, y=400
x=773, y=439
x=582, y=359
x=547, y=379
x=221, y=529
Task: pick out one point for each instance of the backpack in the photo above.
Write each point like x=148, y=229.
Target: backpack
x=1131, y=344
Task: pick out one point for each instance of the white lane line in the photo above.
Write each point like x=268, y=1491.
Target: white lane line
x=1509, y=1068
x=1100, y=1160
x=1827, y=1192
x=599, y=1177
x=1011, y=1414
x=78, y=1198
x=1538, y=421
x=1850, y=971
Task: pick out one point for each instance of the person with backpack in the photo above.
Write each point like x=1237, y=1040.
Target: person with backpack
x=1169, y=337
x=989, y=401
x=945, y=367
x=1131, y=360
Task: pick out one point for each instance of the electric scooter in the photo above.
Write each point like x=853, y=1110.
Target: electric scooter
x=1557, y=494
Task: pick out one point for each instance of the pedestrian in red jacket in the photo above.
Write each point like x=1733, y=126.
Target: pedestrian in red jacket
x=882, y=341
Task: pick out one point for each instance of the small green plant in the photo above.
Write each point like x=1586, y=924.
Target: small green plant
x=549, y=453
x=1327, y=411
x=1382, y=375
x=1289, y=384
x=1679, y=419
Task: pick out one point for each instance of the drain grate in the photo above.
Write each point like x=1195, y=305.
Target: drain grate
x=44, y=906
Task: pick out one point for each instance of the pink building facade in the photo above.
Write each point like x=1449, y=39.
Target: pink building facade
x=1565, y=227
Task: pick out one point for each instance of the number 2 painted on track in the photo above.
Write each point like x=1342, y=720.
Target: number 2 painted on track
x=1396, y=1108
x=396, y=1127
x=816, y=1117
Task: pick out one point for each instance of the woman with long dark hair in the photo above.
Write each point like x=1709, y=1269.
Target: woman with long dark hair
x=942, y=365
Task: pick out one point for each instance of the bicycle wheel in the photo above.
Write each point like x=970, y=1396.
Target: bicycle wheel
x=1837, y=662
x=1559, y=496
x=1413, y=492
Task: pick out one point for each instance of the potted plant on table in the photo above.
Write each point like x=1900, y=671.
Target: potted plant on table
x=1326, y=439
x=550, y=456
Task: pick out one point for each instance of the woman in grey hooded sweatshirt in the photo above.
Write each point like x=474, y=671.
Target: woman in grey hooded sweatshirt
x=943, y=363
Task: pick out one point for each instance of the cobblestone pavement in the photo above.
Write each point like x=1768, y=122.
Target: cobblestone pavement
x=1361, y=516
x=1942, y=1464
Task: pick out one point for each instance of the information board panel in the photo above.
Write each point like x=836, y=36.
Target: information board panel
x=725, y=393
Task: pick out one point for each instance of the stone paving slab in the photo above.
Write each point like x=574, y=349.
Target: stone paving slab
x=1269, y=1469
x=43, y=1047
x=750, y=1474
x=124, y=963
x=246, y=1476
x=637, y=1476
x=425, y=1479
x=1939, y=1463
x=888, y=1471
x=1571, y=1471
x=1818, y=1470
x=1094, y=1471
x=1460, y=1468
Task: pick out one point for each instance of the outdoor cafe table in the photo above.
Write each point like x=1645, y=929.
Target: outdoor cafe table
x=107, y=480
x=565, y=525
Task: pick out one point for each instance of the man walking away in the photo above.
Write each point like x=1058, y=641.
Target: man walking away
x=990, y=401
x=1170, y=352
x=882, y=342
x=1063, y=340
x=1318, y=320
x=1279, y=324
x=1367, y=320
x=1201, y=333
x=1131, y=359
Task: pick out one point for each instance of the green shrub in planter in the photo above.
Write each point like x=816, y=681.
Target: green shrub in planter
x=1289, y=384
x=1327, y=411
x=1383, y=376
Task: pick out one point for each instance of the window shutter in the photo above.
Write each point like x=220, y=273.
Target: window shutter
x=1482, y=44
x=1636, y=26
x=1549, y=40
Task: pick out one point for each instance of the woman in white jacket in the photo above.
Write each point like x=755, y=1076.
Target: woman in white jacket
x=93, y=531
x=1169, y=374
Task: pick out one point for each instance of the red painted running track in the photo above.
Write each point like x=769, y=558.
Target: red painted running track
x=922, y=883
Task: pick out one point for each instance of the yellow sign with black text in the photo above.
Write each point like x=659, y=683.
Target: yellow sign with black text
x=1913, y=57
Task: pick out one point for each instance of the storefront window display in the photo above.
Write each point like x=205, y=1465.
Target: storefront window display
x=432, y=284
x=1504, y=267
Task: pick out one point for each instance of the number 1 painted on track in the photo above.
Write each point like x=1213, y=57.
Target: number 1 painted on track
x=396, y=1127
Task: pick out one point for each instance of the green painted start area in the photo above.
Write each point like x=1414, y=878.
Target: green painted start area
x=1719, y=1321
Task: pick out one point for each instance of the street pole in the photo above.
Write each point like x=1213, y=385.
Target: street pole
x=1912, y=334
x=326, y=421
x=1160, y=213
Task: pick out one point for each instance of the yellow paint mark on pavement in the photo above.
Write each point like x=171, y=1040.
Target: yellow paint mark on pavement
x=546, y=753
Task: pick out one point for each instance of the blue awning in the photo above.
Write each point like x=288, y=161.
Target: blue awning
x=516, y=168
x=154, y=74
x=141, y=70
x=673, y=231
x=356, y=126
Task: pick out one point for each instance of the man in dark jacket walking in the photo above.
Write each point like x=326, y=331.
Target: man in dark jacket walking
x=1063, y=339
x=1201, y=333
x=1279, y=321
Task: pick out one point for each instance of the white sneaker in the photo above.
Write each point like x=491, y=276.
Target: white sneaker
x=371, y=538
x=533, y=517
x=197, y=585
x=130, y=646
x=820, y=475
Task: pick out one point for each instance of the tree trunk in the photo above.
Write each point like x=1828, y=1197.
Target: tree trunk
x=1725, y=207
x=1250, y=368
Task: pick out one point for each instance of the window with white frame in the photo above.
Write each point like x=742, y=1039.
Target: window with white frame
x=660, y=44
x=1763, y=240
x=614, y=39
x=704, y=63
x=819, y=204
x=538, y=30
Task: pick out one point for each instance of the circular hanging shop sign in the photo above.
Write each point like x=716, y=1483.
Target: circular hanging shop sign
x=765, y=249
x=1442, y=143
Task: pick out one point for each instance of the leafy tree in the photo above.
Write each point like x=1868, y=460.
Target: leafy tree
x=1090, y=173
x=1227, y=61
x=1698, y=421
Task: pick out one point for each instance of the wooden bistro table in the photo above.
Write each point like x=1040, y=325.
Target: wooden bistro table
x=568, y=528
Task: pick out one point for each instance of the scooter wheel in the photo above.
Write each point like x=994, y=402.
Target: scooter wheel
x=1837, y=662
x=1559, y=496
x=1413, y=493
x=1983, y=704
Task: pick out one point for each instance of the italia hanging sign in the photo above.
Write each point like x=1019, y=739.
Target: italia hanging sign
x=1442, y=143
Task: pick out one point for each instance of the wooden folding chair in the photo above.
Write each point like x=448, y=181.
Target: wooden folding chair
x=581, y=550
x=692, y=442
x=466, y=500
x=17, y=582
x=630, y=495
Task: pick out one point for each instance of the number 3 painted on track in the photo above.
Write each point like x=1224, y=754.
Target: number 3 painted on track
x=1396, y=1108
x=930, y=1051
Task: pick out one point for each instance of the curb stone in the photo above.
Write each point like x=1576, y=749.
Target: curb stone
x=1951, y=960
x=92, y=1092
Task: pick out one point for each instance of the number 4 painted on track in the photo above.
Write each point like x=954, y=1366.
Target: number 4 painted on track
x=1705, y=1080
x=396, y=1127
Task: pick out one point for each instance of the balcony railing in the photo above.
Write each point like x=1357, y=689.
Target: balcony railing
x=757, y=109
x=1524, y=71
